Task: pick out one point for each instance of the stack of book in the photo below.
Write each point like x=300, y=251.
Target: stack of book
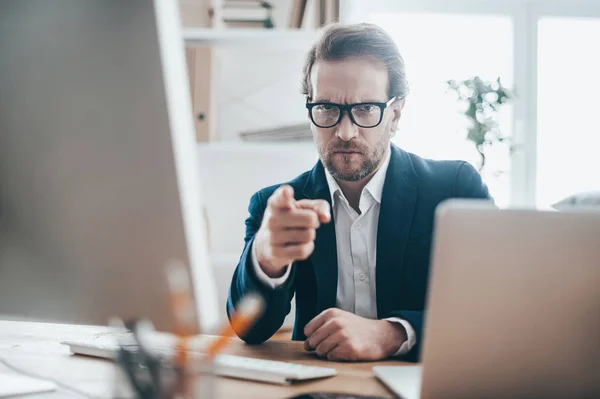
x=327, y=11
x=297, y=132
x=247, y=14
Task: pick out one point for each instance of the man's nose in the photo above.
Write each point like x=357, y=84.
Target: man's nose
x=346, y=130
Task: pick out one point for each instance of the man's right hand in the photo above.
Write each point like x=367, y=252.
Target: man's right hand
x=288, y=230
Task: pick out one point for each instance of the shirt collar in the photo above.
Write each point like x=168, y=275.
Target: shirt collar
x=373, y=187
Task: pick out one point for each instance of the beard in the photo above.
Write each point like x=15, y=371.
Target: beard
x=356, y=166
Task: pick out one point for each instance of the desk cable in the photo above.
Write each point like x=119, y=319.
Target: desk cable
x=61, y=385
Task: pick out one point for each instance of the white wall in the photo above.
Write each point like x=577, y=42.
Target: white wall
x=230, y=174
x=257, y=87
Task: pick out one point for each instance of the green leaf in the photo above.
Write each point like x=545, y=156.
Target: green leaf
x=484, y=100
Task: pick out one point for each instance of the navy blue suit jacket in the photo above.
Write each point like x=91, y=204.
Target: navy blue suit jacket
x=412, y=190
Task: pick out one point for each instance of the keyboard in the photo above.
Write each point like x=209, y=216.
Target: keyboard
x=247, y=368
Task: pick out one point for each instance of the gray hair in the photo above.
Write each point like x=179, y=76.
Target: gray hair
x=344, y=41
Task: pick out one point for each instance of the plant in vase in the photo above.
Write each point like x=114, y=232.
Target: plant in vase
x=483, y=100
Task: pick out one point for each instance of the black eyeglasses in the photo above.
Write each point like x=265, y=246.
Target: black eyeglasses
x=366, y=115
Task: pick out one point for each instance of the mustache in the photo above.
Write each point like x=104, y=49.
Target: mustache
x=346, y=146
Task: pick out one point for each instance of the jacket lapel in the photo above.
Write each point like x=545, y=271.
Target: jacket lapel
x=324, y=256
x=395, y=218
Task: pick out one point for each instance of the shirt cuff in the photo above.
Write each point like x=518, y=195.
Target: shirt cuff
x=411, y=337
x=262, y=276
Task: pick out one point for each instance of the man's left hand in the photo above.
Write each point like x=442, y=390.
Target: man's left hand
x=343, y=336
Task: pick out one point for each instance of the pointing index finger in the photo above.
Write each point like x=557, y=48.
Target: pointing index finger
x=321, y=207
x=283, y=197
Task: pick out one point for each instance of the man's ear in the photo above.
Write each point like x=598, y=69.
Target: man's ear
x=397, y=108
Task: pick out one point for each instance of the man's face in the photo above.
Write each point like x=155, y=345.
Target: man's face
x=350, y=152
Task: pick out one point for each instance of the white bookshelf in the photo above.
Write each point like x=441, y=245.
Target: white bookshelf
x=206, y=50
x=287, y=38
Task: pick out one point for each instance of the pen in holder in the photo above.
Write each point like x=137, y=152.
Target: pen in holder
x=178, y=372
x=153, y=373
x=150, y=375
x=184, y=312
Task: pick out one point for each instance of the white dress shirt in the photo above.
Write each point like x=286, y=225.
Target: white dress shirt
x=356, y=238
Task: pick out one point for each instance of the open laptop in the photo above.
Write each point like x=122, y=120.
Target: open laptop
x=513, y=307
x=99, y=186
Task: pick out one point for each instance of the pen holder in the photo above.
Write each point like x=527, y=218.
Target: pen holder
x=145, y=373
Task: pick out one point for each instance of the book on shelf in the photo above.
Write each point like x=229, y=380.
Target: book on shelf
x=297, y=16
x=247, y=14
x=326, y=11
x=247, y=3
x=294, y=132
x=244, y=24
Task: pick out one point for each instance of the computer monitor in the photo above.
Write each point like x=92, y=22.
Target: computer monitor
x=99, y=187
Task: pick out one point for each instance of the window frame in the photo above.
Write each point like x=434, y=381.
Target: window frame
x=525, y=15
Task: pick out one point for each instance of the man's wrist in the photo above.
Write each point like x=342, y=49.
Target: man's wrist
x=270, y=270
x=395, y=334
x=274, y=274
x=262, y=276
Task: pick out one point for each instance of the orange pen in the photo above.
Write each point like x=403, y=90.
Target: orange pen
x=182, y=302
x=248, y=311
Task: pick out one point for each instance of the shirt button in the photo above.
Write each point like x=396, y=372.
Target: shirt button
x=357, y=226
x=362, y=276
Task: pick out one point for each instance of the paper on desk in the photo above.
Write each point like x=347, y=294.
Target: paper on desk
x=12, y=385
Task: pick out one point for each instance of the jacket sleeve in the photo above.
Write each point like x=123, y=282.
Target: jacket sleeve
x=245, y=280
x=468, y=184
x=415, y=319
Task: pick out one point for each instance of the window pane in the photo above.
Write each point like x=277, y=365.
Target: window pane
x=440, y=47
x=568, y=108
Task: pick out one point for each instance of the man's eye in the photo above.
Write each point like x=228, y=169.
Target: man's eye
x=324, y=108
x=366, y=108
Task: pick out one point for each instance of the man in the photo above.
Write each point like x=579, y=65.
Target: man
x=352, y=237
